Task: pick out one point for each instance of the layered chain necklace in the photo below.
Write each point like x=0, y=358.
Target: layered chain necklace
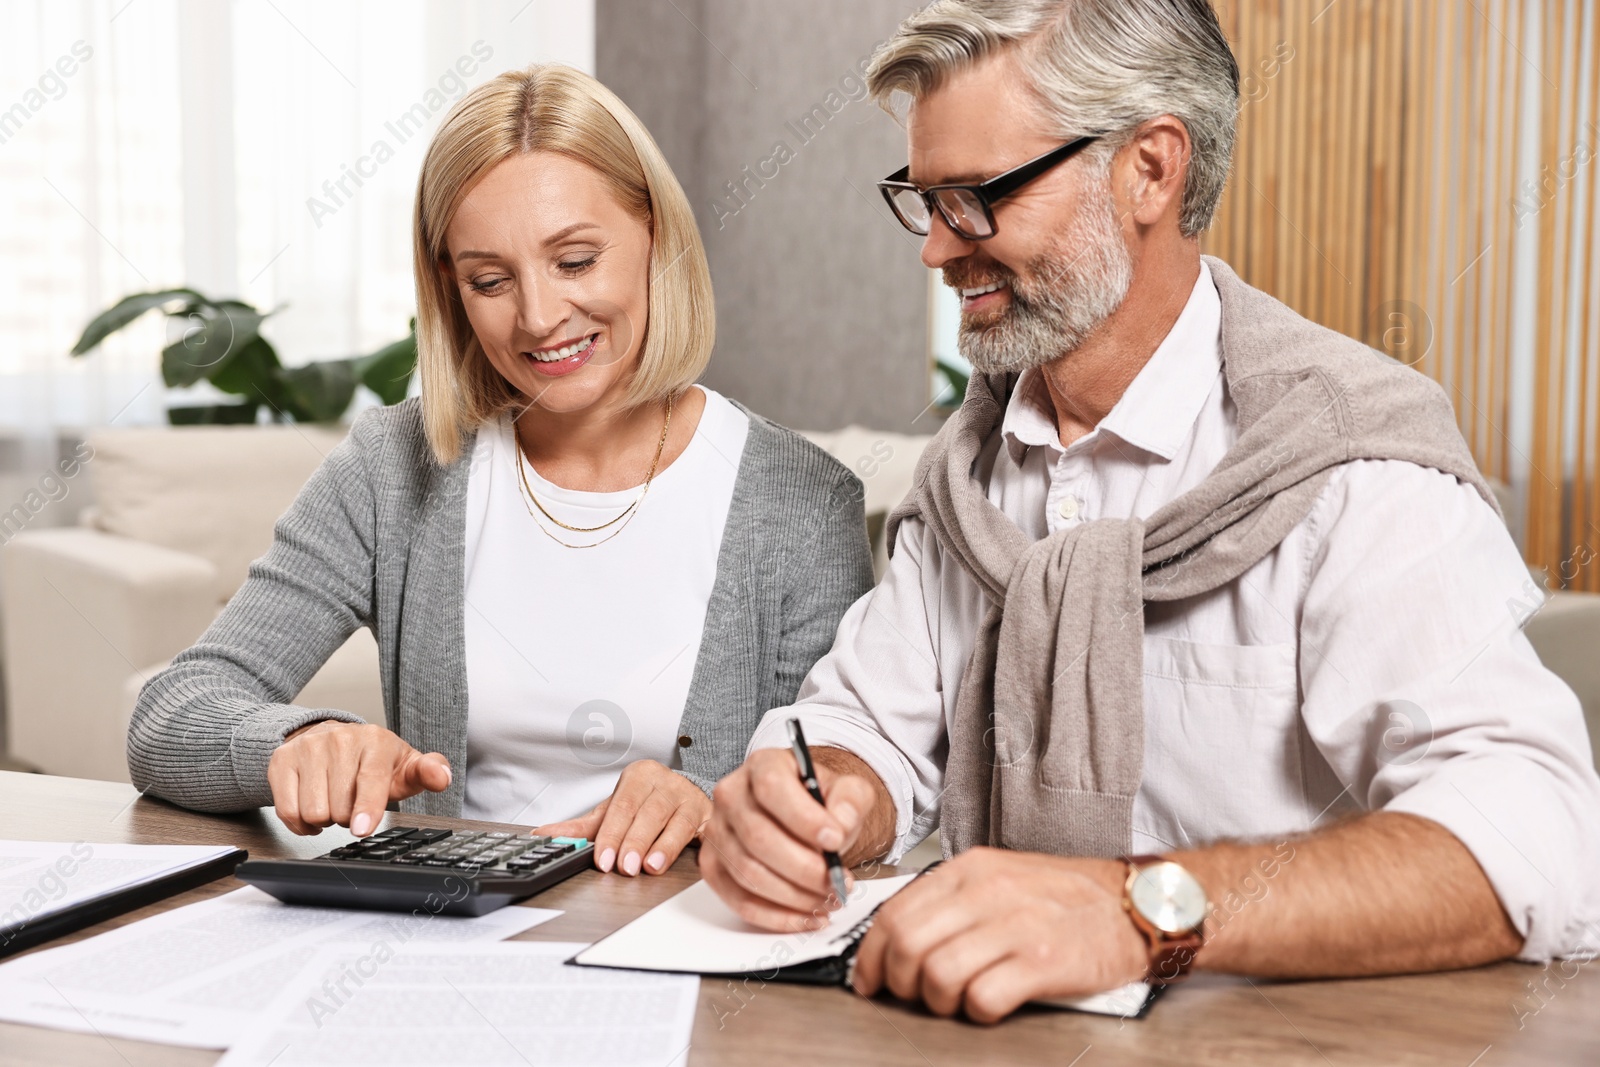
x=625, y=517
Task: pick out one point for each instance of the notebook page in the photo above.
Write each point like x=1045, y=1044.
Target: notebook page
x=1127, y=1001
x=696, y=933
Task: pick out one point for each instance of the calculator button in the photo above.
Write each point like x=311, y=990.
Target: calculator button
x=430, y=835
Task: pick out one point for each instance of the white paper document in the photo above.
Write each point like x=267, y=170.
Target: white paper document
x=198, y=975
x=503, y=1005
x=39, y=878
x=695, y=932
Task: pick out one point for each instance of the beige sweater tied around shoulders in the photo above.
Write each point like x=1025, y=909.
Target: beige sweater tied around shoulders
x=1047, y=743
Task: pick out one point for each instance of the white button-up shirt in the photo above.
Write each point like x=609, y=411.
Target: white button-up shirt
x=1375, y=659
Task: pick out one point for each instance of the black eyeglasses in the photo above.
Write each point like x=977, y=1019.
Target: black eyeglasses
x=967, y=208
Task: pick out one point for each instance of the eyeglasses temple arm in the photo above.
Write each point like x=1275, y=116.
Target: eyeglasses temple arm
x=1003, y=185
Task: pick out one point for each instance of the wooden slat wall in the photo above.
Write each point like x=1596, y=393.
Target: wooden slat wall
x=1383, y=185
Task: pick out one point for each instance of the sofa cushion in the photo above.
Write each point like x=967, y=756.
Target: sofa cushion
x=213, y=491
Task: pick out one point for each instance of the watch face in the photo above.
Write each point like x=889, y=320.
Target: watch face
x=1169, y=898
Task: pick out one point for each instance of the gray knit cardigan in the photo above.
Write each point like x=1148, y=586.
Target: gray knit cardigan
x=377, y=539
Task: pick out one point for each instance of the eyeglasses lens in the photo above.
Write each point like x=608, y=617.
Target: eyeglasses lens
x=963, y=209
x=912, y=209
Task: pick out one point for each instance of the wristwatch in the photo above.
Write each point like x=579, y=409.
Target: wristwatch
x=1169, y=907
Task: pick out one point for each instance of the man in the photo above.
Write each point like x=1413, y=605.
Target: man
x=1199, y=611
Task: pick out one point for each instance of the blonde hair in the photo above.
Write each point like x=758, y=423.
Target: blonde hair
x=551, y=108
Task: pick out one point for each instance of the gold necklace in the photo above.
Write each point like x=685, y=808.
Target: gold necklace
x=627, y=513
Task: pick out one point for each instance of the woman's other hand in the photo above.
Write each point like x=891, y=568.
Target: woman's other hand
x=645, y=822
x=347, y=773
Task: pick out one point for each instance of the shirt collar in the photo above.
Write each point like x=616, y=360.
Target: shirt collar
x=1158, y=409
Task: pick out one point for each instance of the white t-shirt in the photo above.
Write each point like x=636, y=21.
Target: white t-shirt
x=579, y=660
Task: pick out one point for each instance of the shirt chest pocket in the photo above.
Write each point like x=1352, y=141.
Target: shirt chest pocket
x=1222, y=738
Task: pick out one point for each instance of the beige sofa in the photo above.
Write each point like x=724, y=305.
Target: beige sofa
x=91, y=612
x=1564, y=630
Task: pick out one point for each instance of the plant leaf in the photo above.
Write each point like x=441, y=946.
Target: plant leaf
x=958, y=382
x=251, y=370
x=215, y=335
x=319, y=392
x=388, y=371
x=129, y=308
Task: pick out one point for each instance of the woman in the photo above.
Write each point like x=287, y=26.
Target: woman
x=588, y=577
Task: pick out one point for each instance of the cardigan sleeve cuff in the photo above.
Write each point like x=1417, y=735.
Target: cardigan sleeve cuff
x=706, y=784
x=257, y=737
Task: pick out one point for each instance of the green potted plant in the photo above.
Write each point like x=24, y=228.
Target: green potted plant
x=949, y=392
x=223, y=345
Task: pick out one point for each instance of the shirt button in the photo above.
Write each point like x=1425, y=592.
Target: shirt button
x=1068, y=508
x=684, y=741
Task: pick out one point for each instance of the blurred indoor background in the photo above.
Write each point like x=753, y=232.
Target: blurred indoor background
x=1419, y=174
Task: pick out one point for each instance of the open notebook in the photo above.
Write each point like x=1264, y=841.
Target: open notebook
x=695, y=933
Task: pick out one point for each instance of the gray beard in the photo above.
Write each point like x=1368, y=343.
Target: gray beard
x=1065, y=300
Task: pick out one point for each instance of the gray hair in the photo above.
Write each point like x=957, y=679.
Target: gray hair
x=1096, y=66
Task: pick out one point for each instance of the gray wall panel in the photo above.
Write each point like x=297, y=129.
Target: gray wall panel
x=822, y=304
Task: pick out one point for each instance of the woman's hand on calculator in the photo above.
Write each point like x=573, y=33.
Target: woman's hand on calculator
x=646, y=821
x=347, y=773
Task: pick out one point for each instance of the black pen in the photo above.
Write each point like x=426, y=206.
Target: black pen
x=808, y=775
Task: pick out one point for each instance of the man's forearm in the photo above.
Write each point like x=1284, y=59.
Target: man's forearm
x=1381, y=894
x=877, y=829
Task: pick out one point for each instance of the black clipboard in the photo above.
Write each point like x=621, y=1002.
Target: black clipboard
x=36, y=930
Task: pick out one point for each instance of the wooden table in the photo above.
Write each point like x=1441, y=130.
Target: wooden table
x=1479, y=1018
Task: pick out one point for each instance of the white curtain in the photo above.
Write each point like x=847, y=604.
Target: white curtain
x=266, y=149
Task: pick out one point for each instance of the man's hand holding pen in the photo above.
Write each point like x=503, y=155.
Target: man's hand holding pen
x=763, y=849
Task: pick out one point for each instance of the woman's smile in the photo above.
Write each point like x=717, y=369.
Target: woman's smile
x=566, y=357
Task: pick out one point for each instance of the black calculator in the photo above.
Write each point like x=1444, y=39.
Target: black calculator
x=425, y=871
